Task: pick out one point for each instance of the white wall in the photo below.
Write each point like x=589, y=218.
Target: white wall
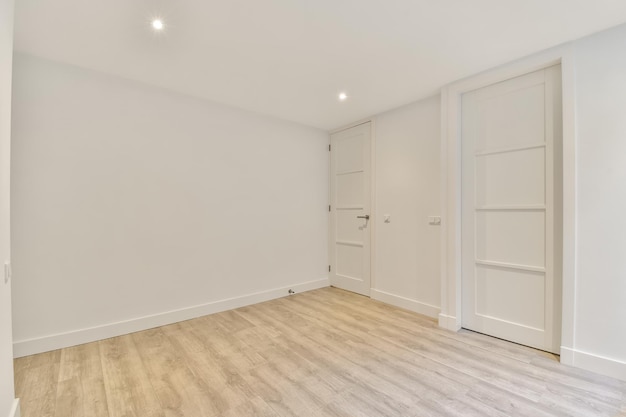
x=600, y=330
x=130, y=201
x=6, y=347
x=407, y=188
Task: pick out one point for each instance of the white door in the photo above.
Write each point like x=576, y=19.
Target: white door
x=350, y=209
x=512, y=205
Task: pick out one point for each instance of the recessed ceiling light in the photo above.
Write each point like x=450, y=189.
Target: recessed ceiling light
x=157, y=24
x=343, y=96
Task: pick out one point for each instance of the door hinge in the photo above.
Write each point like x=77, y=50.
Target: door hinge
x=329, y=207
x=328, y=268
x=328, y=148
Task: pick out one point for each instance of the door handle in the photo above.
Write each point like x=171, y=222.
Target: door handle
x=366, y=217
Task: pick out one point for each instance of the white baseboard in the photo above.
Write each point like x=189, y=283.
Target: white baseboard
x=567, y=356
x=449, y=323
x=406, y=303
x=15, y=409
x=78, y=337
x=595, y=363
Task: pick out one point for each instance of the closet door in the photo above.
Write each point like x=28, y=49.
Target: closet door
x=511, y=141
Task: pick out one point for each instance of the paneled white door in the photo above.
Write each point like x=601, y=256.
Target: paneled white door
x=512, y=205
x=350, y=192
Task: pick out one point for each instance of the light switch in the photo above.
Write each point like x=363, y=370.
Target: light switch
x=387, y=218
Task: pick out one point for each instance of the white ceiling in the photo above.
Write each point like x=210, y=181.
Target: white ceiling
x=290, y=58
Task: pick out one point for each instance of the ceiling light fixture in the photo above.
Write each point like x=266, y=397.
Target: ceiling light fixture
x=157, y=24
x=343, y=96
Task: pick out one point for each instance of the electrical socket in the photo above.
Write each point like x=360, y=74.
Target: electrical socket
x=434, y=220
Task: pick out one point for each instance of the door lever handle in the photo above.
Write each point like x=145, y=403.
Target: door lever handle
x=366, y=217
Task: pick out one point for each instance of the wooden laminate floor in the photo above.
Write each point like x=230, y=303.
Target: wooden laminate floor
x=316, y=354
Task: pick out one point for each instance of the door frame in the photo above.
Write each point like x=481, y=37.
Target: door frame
x=372, y=228
x=451, y=262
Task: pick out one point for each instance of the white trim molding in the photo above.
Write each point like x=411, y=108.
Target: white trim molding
x=15, y=409
x=449, y=323
x=451, y=272
x=595, y=363
x=406, y=303
x=77, y=337
x=351, y=125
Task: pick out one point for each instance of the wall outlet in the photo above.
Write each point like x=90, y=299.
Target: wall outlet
x=7, y=272
x=434, y=220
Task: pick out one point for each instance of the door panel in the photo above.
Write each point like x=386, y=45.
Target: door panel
x=348, y=227
x=513, y=237
x=349, y=188
x=510, y=224
x=506, y=179
x=348, y=153
x=350, y=199
x=349, y=262
x=492, y=282
x=514, y=115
